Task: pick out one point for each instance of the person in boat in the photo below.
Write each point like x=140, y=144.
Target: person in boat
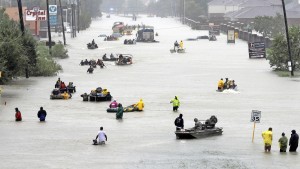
x=104, y=56
x=226, y=83
x=176, y=45
x=71, y=86
x=90, y=69
x=104, y=92
x=63, y=87
x=221, y=84
x=42, y=114
x=181, y=45
x=119, y=114
x=18, y=115
x=58, y=82
x=179, y=123
x=233, y=85
x=93, y=93
x=93, y=42
x=198, y=124
x=121, y=59
x=98, y=90
x=125, y=41
x=112, y=56
x=101, y=137
x=113, y=104
x=133, y=41
x=176, y=103
x=156, y=34
x=139, y=106
x=85, y=97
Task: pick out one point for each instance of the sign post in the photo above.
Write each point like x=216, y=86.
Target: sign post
x=36, y=10
x=255, y=118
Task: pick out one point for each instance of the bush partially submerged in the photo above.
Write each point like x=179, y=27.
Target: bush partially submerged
x=59, y=51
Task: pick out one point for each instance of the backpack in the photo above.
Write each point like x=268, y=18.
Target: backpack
x=177, y=121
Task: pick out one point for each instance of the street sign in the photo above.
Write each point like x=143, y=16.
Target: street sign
x=255, y=116
x=53, y=20
x=257, y=50
x=230, y=36
x=52, y=9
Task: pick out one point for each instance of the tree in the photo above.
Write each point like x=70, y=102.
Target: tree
x=268, y=25
x=278, y=54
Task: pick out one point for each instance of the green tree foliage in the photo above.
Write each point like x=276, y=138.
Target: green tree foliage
x=59, y=51
x=278, y=54
x=269, y=26
x=18, y=52
x=46, y=66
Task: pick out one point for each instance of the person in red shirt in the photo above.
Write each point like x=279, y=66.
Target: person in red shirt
x=18, y=115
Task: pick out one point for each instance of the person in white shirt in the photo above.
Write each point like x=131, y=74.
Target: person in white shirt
x=101, y=136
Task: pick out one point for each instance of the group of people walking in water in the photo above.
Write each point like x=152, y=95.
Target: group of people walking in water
x=283, y=141
x=41, y=114
x=228, y=84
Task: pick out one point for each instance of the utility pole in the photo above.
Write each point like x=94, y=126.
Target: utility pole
x=21, y=16
x=183, y=11
x=78, y=15
x=49, y=29
x=62, y=22
x=290, y=63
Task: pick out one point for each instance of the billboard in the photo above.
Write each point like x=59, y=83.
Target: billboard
x=31, y=15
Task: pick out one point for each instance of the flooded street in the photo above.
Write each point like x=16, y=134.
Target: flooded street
x=146, y=139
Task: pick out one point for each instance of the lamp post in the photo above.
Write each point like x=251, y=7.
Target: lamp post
x=290, y=63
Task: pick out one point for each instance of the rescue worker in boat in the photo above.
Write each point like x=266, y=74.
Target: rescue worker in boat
x=113, y=104
x=233, y=85
x=121, y=59
x=85, y=97
x=93, y=42
x=71, y=86
x=181, y=45
x=221, y=84
x=179, y=123
x=90, y=69
x=176, y=45
x=139, y=106
x=125, y=41
x=176, y=103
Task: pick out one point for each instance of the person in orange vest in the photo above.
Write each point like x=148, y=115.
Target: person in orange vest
x=18, y=115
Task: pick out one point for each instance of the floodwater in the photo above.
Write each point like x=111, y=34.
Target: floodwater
x=146, y=139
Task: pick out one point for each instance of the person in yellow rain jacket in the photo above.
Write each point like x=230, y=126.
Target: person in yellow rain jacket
x=221, y=84
x=65, y=95
x=176, y=103
x=104, y=92
x=139, y=106
x=268, y=137
x=181, y=45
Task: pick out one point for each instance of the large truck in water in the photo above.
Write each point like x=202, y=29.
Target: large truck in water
x=146, y=34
